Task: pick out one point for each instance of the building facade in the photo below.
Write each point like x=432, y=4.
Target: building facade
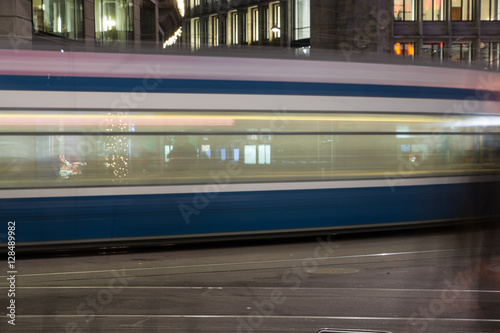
x=213, y=23
x=463, y=31
x=459, y=30
x=90, y=22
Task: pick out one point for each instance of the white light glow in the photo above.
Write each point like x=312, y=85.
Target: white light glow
x=478, y=122
x=180, y=5
x=171, y=41
x=108, y=23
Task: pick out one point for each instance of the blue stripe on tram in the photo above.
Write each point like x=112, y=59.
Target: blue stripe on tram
x=106, y=84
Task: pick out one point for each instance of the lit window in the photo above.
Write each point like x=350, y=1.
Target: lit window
x=404, y=10
x=59, y=17
x=234, y=27
x=276, y=29
x=433, y=10
x=490, y=10
x=404, y=49
x=114, y=20
x=214, y=23
x=461, y=10
x=255, y=24
x=302, y=19
x=196, y=36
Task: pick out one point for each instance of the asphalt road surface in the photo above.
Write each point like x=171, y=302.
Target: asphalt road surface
x=407, y=281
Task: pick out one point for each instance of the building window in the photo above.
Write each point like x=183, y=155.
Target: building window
x=404, y=49
x=204, y=31
x=404, y=10
x=214, y=30
x=276, y=29
x=461, y=10
x=254, y=25
x=114, y=21
x=461, y=53
x=490, y=10
x=302, y=19
x=265, y=21
x=433, y=10
x=59, y=17
x=234, y=28
x=196, y=36
x=186, y=36
x=490, y=55
x=433, y=51
x=223, y=30
x=244, y=27
x=194, y=3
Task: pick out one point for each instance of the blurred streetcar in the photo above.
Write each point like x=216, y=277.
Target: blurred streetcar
x=120, y=147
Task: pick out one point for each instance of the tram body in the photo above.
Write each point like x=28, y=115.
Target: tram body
x=118, y=147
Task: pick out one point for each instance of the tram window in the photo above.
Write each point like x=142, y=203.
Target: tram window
x=115, y=160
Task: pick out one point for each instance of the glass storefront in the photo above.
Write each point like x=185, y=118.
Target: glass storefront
x=59, y=17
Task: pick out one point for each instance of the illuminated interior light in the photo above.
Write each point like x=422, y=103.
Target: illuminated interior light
x=108, y=23
x=397, y=48
x=171, y=41
x=411, y=51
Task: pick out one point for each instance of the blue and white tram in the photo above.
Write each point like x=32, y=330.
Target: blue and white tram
x=120, y=147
